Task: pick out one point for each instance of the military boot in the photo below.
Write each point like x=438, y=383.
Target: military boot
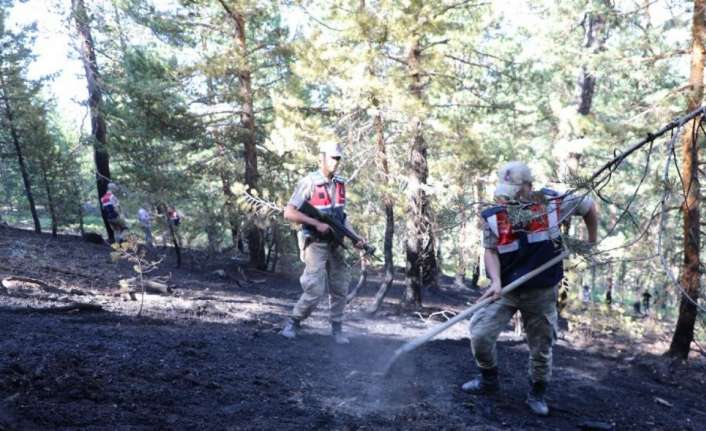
x=486, y=383
x=290, y=328
x=535, y=399
x=337, y=332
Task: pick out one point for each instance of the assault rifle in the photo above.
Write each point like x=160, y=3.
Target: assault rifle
x=338, y=230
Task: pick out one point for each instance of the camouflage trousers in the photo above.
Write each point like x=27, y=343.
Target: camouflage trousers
x=324, y=268
x=539, y=318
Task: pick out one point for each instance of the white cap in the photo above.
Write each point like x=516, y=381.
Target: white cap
x=112, y=187
x=511, y=177
x=331, y=148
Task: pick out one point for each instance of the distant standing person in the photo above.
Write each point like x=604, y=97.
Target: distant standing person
x=514, y=248
x=111, y=209
x=145, y=219
x=173, y=216
x=646, y=297
x=173, y=220
x=586, y=294
x=323, y=259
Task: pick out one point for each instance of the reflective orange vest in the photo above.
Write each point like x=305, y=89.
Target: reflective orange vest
x=524, y=248
x=322, y=200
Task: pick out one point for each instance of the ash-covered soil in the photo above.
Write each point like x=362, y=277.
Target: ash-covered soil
x=207, y=356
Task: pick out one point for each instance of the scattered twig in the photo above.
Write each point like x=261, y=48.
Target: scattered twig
x=447, y=315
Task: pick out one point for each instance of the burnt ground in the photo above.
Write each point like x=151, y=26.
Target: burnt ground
x=208, y=356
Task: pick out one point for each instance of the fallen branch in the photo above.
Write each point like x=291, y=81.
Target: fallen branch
x=75, y=307
x=443, y=313
x=17, y=282
x=130, y=285
x=70, y=271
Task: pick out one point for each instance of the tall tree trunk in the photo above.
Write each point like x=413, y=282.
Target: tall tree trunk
x=595, y=37
x=421, y=266
x=50, y=202
x=609, y=267
x=9, y=114
x=79, y=208
x=462, y=258
x=95, y=103
x=255, y=235
x=162, y=208
x=388, y=204
x=229, y=206
x=275, y=246
x=468, y=230
x=690, y=273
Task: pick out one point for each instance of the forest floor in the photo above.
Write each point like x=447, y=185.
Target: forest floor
x=208, y=356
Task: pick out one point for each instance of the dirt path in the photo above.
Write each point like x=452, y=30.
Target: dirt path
x=209, y=357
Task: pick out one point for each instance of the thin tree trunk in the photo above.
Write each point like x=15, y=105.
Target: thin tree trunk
x=175, y=241
x=9, y=114
x=50, y=201
x=95, y=103
x=421, y=265
x=80, y=219
x=388, y=204
x=690, y=274
x=461, y=263
x=609, y=284
x=80, y=206
x=595, y=37
x=609, y=268
x=275, y=245
x=255, y=235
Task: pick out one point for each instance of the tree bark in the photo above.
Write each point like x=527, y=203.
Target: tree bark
x=9, y=114
x=595, y=37
x=609, y=267
x=690, y=274
x=388, y=204
x=175, y=240
x=255, y=235
x=229, y=206
x=95, y=103
x=50, y=202
x=421, y=265
x=462, y=262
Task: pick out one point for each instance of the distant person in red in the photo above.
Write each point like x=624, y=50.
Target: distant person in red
x=174, y=220
x=110, y=206
x=173, y=216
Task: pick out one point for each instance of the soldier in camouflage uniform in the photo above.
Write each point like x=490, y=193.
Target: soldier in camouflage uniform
x=323, y=259
x=512, y=249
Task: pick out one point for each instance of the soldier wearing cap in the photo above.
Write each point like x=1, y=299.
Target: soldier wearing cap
x=512, y=249
x=323, y=259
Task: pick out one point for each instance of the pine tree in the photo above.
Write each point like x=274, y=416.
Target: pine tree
x=15, y=91
x=95, y=102
x=691, y=267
